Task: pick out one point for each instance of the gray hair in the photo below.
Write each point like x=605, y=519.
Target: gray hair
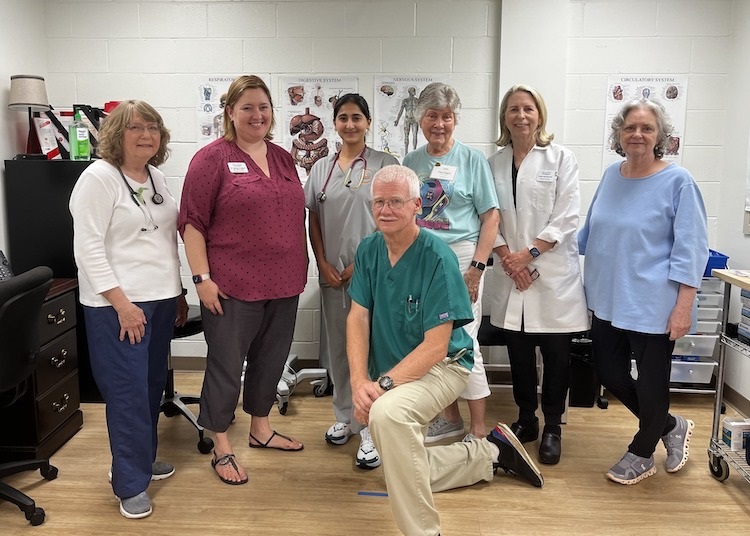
x=437, y=96
x=663, y=125
x=396, y=173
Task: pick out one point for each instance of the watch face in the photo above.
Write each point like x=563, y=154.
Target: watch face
x=534, y=252
x=197, y=279
x=385, y=383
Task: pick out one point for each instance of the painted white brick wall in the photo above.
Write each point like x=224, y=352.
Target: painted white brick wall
x=691, y=38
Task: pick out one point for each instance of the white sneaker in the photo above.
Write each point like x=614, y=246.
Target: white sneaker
x=339, y=433
x=367, y=456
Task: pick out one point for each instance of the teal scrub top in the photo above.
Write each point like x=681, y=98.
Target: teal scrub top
x=423, y=290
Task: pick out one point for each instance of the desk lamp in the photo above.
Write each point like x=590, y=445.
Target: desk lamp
x=27, y=91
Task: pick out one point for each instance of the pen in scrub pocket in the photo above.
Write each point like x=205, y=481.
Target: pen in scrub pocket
x=458, y=355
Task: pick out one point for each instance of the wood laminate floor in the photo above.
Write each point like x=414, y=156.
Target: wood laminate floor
x=319, y=491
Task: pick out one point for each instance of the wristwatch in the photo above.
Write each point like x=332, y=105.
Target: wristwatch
x=534, y=252
x=385, y=383
x=478, y=265
x=200, y=278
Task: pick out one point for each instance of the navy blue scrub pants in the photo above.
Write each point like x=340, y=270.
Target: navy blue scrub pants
x=131, y=379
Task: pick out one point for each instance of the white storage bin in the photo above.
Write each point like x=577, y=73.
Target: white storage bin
x=711, y=284
x=692, y=371
x=695, y=345
x=709, y=313
x=710, y=300
x=705, y=327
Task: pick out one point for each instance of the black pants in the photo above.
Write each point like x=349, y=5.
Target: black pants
x=647, y=397
x=555, y=348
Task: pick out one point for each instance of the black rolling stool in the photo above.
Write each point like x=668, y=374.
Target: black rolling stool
x=173, y=403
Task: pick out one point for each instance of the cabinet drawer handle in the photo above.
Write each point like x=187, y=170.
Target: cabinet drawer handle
x=62, y=405
x=59, y=360
x=57, y=318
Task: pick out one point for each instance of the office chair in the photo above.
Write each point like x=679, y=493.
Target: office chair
x=21, y=299
x=174, y=403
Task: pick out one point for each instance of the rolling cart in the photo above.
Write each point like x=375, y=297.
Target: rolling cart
x=720, y=456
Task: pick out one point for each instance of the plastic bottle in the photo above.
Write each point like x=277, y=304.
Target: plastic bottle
x=79, y=139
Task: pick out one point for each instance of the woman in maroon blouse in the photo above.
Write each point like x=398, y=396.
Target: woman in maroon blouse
x=242, y=219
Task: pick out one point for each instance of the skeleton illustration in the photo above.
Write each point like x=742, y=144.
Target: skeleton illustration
x=305, y=150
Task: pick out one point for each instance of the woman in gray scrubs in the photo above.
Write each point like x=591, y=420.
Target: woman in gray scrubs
x=338, y=196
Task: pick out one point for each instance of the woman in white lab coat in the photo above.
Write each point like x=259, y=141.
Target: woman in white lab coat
x=537, y=293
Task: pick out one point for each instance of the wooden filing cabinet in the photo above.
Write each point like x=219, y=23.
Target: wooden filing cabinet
x=48, y=414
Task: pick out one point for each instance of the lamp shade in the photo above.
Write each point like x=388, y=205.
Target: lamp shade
x=28, y=92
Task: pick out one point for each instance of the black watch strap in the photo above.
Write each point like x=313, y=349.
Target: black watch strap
x=478, y=265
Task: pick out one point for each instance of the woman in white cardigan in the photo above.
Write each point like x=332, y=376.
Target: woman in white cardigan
x=537, y=293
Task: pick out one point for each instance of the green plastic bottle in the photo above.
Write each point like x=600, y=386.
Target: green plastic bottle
x=78, y=136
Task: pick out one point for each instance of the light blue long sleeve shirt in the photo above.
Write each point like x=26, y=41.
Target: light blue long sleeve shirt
x=641, y=240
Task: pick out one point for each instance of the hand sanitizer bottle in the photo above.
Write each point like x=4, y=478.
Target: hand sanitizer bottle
x=78, y=137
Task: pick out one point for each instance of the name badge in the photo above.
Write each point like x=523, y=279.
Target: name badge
x=444, y=173
x=546, y=176
x=237, y=167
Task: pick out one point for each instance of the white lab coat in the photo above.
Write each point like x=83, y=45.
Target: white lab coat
x=547, y=208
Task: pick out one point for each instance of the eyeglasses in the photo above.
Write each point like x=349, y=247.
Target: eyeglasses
x=140, y=129
x=393, y=204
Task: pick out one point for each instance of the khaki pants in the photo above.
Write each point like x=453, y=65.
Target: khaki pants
x=398, y=421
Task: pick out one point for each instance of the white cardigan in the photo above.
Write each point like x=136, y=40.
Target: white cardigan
x=548, y=205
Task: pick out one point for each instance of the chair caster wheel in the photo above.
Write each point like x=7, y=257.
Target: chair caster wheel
x=602, y=402
x=283, y=408
x=205, y=445
x=50, y=473
x=36, y=517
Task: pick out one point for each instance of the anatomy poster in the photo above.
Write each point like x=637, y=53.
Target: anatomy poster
x=669, y=90
x=395, y=126
x=211, y=95
x=307, y=116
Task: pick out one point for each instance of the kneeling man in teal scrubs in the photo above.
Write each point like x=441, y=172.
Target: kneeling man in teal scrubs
x=409, y=301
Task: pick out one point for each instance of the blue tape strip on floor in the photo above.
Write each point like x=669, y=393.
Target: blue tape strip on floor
x=372, y=493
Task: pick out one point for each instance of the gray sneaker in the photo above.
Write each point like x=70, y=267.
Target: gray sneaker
x=442, y=428
x=631, y=469
x=159, y=471
x=136, y=507
x=677, y=443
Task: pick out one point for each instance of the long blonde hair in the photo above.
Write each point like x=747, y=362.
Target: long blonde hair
x=541, y=138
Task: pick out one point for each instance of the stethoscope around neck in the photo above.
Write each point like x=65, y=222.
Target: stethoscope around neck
x=321, y=197
x=157, y=199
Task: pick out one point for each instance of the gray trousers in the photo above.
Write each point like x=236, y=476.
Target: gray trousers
x=262, y=331
x=335, y=304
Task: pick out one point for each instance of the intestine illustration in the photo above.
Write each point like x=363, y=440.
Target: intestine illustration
x=306, y=150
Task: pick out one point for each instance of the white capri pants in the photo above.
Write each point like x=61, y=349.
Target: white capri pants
x=477, y=387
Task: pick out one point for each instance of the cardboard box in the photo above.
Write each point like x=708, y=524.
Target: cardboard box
x=735, y=433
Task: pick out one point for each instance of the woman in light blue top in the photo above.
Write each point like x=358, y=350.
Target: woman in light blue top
x=645, y=243
x=459, y=205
